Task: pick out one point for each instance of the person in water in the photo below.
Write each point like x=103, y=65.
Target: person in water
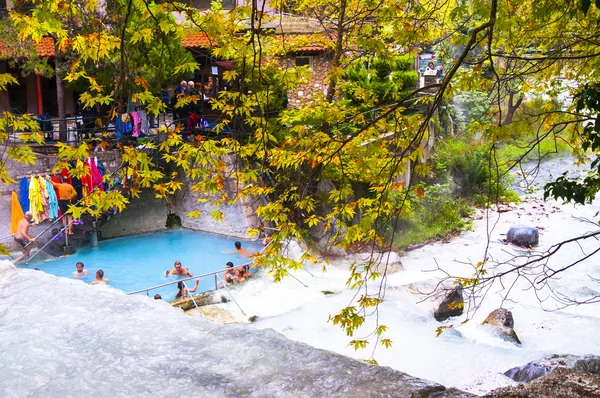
x=178, y=270
x=79, y=271
x=183, y=292
x=22, y=238
x=239, y=250
x=100, y=278
x=229, y=274
x=157, y=297
x=242, y=274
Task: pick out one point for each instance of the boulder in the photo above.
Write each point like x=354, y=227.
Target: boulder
x=542, y=367
x=523, y=235
x=561, y=383
x=502, y=320
x=452, y=304
x=445, y=297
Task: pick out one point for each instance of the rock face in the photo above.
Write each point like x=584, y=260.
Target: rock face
x=561, y=383
x=523, y=235
x=451, y=305
x=502, y=319
x=543, y=367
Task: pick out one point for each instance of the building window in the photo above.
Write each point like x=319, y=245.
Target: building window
x=205, y=4
x=304, y=61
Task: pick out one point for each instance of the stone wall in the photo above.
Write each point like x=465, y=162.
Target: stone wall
x=320, y=65
x=237, y=218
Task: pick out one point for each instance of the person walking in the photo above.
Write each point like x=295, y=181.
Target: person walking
x=22, y=238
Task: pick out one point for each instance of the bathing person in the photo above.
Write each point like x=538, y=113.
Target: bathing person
x=239, y=250
x=157, y=297
x=22, y=238
x=80, y=272
x=100, y=278
x=66, y=193
x=242, y=274
x=178, y=270
x=228, y=274
x=183, y=292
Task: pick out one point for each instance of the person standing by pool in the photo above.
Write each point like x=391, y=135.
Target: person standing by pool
x=178, y=270
x=100, y=278
x=66, y=193
x=80, y=272
x=183, y=292
x=22, y=238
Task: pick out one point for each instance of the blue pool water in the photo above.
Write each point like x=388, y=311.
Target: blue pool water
x=137, y=262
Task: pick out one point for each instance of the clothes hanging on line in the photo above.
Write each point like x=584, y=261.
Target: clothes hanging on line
x=24, y=194
x=16, y=213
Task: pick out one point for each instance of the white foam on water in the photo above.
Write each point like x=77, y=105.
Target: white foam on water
x=470, y=356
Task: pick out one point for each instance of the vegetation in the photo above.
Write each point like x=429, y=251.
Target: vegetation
x=358, y=138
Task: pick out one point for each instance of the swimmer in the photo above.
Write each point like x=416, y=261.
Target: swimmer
x=80, y=272
x=239, y=250
x=100, y=278
x=178, y=270
x=183, y=292
x=157, y=297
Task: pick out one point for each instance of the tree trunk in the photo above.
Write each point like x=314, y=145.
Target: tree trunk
x=512, y=108
x=60, y=99
x=338, y=50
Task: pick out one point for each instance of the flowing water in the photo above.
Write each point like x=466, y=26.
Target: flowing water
x=62, y=337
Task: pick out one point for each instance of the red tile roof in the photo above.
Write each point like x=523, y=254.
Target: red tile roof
x=44, y=48
x=197, y=40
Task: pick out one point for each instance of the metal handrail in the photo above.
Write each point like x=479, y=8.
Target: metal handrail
x=189, y=278
x=215, y=273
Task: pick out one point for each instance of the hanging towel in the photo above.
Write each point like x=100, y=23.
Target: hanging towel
x=44, y=194
x=52, y=201
x=137, y=123
x=17, y=213
x=86, y=180
x=96, y=175
x=145, y=122
x=35, y=200
x=24, y=194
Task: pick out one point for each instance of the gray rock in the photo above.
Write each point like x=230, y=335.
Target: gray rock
x=543, y=366
x=523, y=235
x=445, y=297
x=451, y=305
x=503, y=321
x=561, y=383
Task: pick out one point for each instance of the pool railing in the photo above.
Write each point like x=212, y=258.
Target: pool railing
x=191, y=278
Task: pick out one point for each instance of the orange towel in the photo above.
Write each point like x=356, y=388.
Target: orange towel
x=17, y=213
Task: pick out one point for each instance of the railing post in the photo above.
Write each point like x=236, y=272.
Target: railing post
x=216, y=282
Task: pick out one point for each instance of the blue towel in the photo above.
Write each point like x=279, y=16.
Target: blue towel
x=24, y=194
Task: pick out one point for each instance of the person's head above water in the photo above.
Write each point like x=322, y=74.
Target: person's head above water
x=177, y=265
x=238, y=245
x=79, y=266
x=229, y=264
x=99, y=274
x=157, y=297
